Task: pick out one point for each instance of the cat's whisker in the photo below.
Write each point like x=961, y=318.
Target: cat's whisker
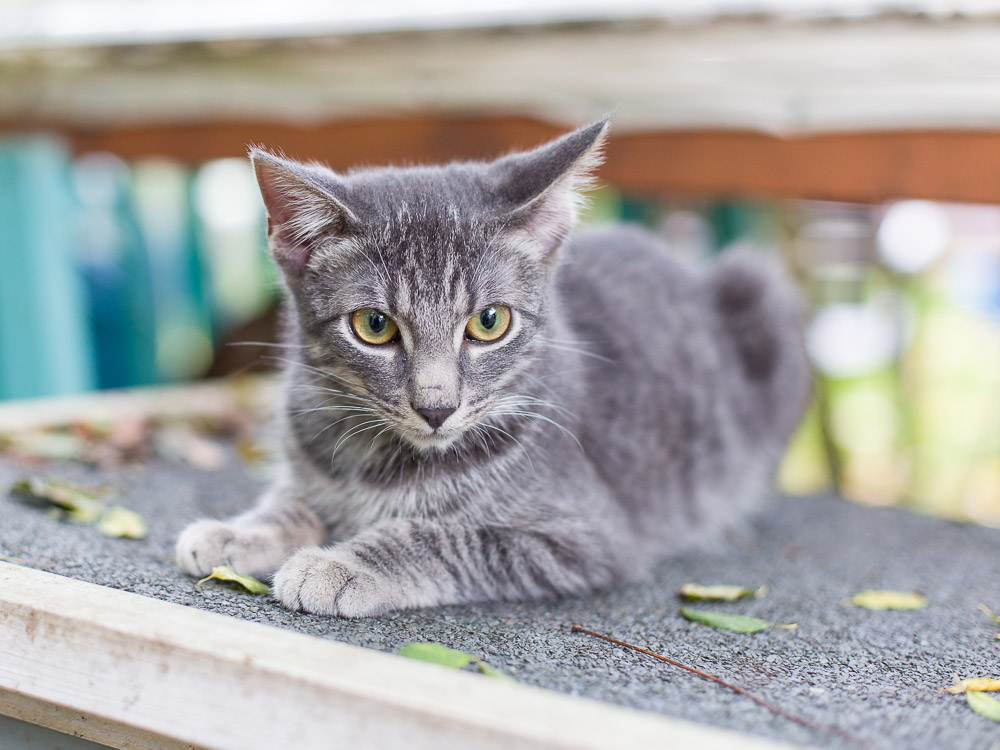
x=332, y=424
x=581, y=352
x=378, y=435
x=270, y=344
x=356, y=430
x=518, y=399
x=535, y=415
x=502, y=431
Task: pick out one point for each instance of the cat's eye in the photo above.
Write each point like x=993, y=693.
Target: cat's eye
x=374, y=326
x=489, y=324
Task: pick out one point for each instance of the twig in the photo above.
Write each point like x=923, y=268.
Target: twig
x=718, y=680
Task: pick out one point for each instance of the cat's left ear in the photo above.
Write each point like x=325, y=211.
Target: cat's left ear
x=541, y=190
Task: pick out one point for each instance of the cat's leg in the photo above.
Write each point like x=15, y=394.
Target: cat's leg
x=256, y=542
x=401, y=564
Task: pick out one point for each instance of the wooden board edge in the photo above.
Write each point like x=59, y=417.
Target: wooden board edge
x=143, y=668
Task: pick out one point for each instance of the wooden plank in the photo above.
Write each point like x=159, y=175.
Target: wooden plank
x=195, y=677
x=222, y=397
x=865, y=167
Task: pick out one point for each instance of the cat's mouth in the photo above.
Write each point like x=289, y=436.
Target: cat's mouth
x=433, y=439
x=434, y=432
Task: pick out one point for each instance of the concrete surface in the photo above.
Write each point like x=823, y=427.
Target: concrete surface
x=875, y=675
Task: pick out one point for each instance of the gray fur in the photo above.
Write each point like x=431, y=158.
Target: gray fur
x=635, y=407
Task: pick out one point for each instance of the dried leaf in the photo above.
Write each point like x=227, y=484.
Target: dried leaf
x=435, y=653
x=44, y=444
x=251, y=451
x=82, y=505
x=228, y=575
x=989, y=613
x=10, y=559
x=719, y=593
x=984, y=705
x=122, y=523
x=735, y=623
x=974, y=685
x=873, y=599
x=181, y=442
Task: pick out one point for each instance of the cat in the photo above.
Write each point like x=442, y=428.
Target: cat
x=477, y=407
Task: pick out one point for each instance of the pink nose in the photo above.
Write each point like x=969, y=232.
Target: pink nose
x=435, y=417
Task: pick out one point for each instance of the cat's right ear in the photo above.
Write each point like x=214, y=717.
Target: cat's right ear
x=302, y=209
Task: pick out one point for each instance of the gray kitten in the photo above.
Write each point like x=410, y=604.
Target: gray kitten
x=478, y=408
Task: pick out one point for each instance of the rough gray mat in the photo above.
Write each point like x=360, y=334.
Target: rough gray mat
x=875, y=675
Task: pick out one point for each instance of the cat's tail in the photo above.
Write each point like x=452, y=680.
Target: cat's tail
x=761, y=313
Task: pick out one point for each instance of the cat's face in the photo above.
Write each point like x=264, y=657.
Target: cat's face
x=423, y=292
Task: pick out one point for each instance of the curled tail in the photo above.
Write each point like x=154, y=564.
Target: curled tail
x=761, y=313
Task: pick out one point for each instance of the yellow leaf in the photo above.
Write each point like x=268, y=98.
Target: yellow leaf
x=989, y=613
x=83, y=505
x=123, y=523
x=974, y=685
x=719, y=592
x=228, y=575
x=872, y=599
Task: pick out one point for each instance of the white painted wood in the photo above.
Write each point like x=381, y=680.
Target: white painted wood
x=194, y=677
x=57, y=23
x=778, y=74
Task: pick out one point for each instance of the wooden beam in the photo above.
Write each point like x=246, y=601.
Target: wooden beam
x=867, y=167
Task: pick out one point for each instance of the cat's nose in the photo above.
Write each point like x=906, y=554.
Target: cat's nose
x=435, y=417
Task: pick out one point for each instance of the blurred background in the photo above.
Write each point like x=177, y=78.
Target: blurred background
x=860, y=140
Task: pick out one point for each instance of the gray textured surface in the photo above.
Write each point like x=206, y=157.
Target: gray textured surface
x=874, y=674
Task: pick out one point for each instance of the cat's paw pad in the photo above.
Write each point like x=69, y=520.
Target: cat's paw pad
x=205, y=544
x=329, y=582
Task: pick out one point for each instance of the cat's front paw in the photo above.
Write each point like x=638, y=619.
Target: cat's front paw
x=332, y=582
x=205, y=544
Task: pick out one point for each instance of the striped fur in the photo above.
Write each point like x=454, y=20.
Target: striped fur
x=635, y=407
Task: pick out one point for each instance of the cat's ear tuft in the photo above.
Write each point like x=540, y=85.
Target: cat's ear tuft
x=542, y=190
x=302, y=208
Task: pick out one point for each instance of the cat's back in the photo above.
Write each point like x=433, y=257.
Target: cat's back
x=695, y=377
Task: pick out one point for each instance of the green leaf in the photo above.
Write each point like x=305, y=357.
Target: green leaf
x=873, y=599
x=984, y=705
x=735, y=623
x=122, y=523
x=989, y=613
x=228, y=575
x=435, y=653
x=82, y=505
x=719, y=592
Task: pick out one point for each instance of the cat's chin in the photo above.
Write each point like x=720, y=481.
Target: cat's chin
x=434, y=442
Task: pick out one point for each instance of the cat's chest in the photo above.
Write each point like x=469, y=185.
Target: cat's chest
x=351, y=503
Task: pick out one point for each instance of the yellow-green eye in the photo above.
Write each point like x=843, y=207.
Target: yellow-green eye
x=489, y=324
x=373, y=326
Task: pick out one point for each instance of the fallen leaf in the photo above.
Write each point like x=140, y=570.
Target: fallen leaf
x=44, y=444
x=82, y=505
x=873, y=599
x=10, y=559
x=984, y=705
x=122, y=523
x=228, y=575
x=735, y=623
x=989, y=613
x=435, y=653
x=974, y=685
x=719, y=593
x=181, y=442
x=251, y=451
